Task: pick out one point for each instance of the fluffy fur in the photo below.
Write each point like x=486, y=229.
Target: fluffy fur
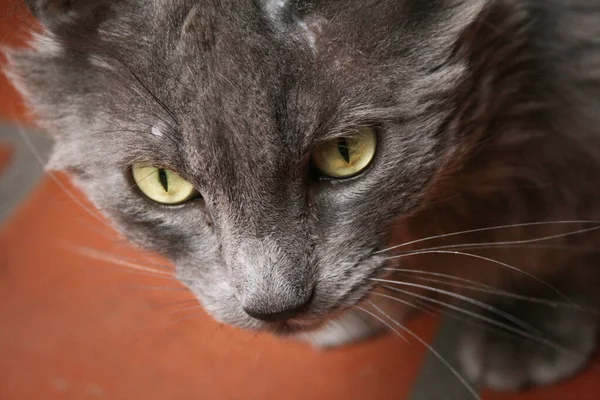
x=487, y=114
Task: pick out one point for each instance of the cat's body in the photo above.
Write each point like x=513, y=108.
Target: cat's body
x=487, y=114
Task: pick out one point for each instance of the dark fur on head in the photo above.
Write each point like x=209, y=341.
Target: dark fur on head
x=487, y=114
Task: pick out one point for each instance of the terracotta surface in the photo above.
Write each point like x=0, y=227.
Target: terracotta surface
x=5, y=156
x=72, y=327
x=14, y=21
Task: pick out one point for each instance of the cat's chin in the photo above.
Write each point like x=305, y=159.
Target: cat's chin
x=292, y=328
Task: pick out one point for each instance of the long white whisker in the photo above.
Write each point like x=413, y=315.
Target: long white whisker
x=458, y=253
x=453, y=370
x=503, y=227
x=165, y=288
x=439, y=275
x=407, y=303
x=511, y=242
x=490, y=245
x=184, y=309
x=457, y=309
x=113, y=259
x=383, y=322
x=460, y=316
x=527, y=335
x=467, y=299
x=452, y=284
x=52, y=176
x=486, y=289
x=129, y=271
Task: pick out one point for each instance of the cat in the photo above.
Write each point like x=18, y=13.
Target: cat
x=318, y=169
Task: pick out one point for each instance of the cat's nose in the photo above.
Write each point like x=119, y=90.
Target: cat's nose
x=265, y=311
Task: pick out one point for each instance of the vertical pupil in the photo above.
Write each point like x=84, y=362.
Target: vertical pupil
x=164, y=180
x=344, y=149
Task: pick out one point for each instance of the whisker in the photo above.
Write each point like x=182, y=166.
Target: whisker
x=150, y=258
x=146, y=88
x=117, y=260
x=467, y=299
x=107, y=233
x=538, y=339
x=489, y=290
x=143, y=179
x=181, y=303
x=194, y=315
x=452, y=284
x=522, y=225
x=58, y=182
x=407, y=303
x=453, y=370
x=383, y=322
x=480, y=325
x=184, y=309
x=458, y=253
x=437, y=274
x=127, y=270
x=491, y=245
x=100, y=254
x=120, y=243
x=165, y=288
x=455, y=308
x=511, y=242
x=123, y=244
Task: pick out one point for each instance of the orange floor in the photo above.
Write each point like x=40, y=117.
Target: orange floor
x=75, y=328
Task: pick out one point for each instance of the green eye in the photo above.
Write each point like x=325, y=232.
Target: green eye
x=162, y=185
x=346, y=156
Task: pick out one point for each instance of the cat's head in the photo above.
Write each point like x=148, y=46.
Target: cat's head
x=291, y=135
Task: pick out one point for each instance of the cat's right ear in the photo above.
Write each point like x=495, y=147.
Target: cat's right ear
x=64, y=17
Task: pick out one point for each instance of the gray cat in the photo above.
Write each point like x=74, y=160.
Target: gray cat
x=311, y=166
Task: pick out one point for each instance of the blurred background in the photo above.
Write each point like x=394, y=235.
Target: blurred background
x=80, y=317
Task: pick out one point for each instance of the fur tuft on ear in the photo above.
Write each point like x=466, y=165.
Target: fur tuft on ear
x=69, y=16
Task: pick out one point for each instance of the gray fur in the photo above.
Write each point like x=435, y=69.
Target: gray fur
x=509, y=362
x=483, y=107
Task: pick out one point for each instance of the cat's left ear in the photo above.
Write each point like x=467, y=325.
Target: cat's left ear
x=63, y=17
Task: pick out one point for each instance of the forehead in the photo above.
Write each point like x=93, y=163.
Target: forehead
x=269, y=78
x=236, y=65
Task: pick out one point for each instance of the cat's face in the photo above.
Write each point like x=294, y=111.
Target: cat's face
x=235, y=96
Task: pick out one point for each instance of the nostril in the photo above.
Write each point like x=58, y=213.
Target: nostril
x=267, y=314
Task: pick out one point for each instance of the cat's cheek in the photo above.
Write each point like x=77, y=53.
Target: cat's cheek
x=221, y=304
x=207, y=280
